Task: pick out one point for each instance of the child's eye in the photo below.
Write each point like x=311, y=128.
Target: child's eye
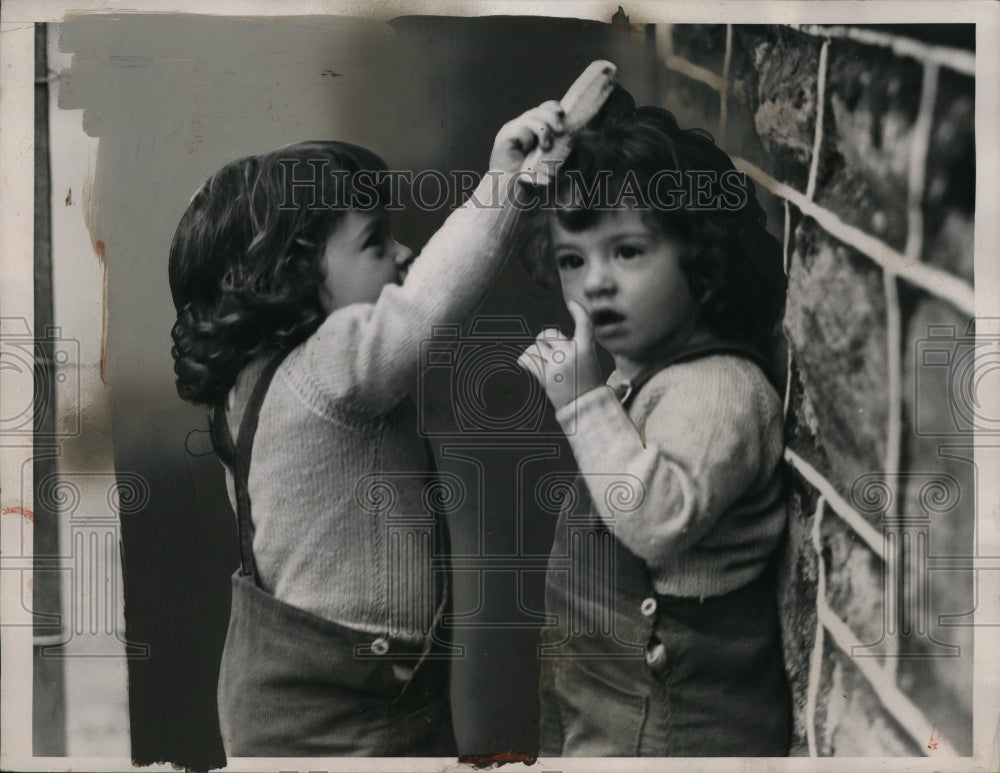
x=376, y=240
x=628, y=251
x=568, y=261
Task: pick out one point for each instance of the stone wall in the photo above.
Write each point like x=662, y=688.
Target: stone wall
x=860, y=143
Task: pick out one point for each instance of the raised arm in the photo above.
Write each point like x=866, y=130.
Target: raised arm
x=711, y=434
x=368, y=353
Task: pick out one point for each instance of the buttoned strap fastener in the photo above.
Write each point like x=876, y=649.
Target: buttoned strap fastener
x=626, y=391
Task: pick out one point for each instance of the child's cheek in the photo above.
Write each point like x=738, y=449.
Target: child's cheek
x=571, y=286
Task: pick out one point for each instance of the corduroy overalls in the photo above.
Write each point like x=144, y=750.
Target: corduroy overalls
x=294, y=684
x=627, y=671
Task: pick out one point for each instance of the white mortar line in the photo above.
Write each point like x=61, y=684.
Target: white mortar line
x=785, y=259
x=894, y=368
x=917, y=181
x=724, y=90
x=952, y=58
x=894, y=425
x=786, y=238
x=895, y=702
x=940, y=283
x=824, y=54
x=663, y=41
x=837, y=503
x=788, y=383
x=693, y=71
x=816, y=658
x=919, y=149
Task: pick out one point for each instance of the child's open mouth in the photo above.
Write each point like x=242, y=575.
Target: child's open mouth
x=604, y=318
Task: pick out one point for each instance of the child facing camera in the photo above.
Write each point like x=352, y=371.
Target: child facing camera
x=299, y=319
x=667, y=640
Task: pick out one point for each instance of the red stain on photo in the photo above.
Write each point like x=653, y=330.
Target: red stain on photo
x=932, y=744
x=493, y=760
x=18, y=510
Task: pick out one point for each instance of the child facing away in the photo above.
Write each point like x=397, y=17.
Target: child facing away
x=299, y=319
x=667, y=640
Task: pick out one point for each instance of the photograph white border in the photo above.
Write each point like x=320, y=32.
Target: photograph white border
x=17, y=19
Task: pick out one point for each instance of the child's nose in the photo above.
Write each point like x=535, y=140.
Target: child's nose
x=598, y=279
x=404, y=255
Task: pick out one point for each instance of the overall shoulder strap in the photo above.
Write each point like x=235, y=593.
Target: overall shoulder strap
x=694, y=352
x=240, y=454
x=222, y=438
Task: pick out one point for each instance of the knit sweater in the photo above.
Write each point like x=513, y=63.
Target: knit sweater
x=337, y=452
x=690, y=477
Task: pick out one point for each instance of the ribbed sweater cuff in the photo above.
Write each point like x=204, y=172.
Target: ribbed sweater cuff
x=599, y=430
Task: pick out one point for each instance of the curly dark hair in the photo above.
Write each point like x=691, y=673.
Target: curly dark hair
x=245, y=261
x=733, y=265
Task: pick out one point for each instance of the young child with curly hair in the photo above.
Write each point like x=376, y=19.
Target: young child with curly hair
x=299, y=319
x=666, y=638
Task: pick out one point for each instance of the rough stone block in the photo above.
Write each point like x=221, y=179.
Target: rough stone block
x=774, y=209
x=855, y=587
x=701, y=44
x=942, y=687
x=872, y=99
x=851, y=719
x=694, y=104
x=797, y=603
x=835, y=325
x=774, y=72
x=938, y=400
x=741, y=132
x=950, y=195
x=801, y=424
x=939, y=395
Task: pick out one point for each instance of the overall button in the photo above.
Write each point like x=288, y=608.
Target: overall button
x=380, y=646
x=648, y=607
x=656, y=657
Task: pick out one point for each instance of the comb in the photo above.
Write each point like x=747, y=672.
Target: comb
x=581, y=103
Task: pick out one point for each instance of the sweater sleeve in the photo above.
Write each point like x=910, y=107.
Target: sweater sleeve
x=711, y=436
x=368, y=353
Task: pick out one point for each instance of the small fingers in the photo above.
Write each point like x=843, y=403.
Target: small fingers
x=524, y=135
x=532, y=361
x=546, y=121
x=554, y=114
x=583, y=327
x=556, y=346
